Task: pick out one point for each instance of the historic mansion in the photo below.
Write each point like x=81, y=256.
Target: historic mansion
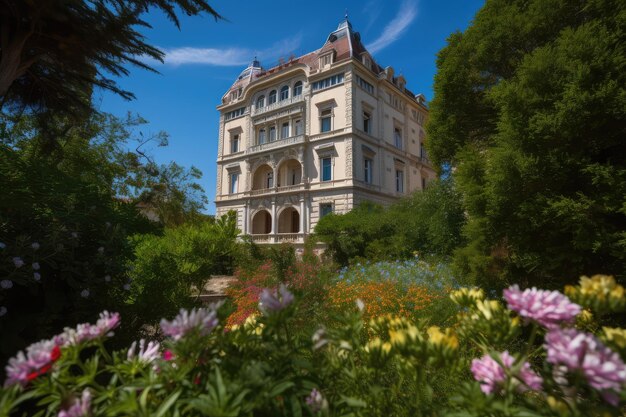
x=315, y=135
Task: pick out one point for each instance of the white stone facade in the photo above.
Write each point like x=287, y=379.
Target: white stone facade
x=319, y=133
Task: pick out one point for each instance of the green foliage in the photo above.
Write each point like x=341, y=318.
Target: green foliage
x=167, y=269
x=67, y=211
x=428, y=222
x=384, y=366
x=529, y=108
x=55, y=52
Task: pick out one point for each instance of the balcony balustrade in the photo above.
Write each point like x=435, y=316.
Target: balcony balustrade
x=278, y=105
x=275, y=144
x=278, y=238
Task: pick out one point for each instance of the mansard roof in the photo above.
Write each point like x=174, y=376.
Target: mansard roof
x=343, y=42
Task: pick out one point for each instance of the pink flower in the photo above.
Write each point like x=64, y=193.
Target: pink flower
x=316, y=401
x=548, y=308
x=491, y=375
x=274, y=301
x=80, y=407
x=582, y=352
x=168, y=355
x=85, y=332
x=37, y=360
x=202, y=320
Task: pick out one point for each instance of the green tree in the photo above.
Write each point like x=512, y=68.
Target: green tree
x=529, y=109
x=167, y=269
x=53, y=52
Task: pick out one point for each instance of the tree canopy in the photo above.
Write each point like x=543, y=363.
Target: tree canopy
x=54, y=52
x=529, y=112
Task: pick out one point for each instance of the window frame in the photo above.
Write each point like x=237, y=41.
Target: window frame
x=397, y=138
x=271, y=97
x=323, y=166
x=399, y=180
x=329, y=206
x=261, y=138
x=233, y=186
x=260, y=100
x=297, y=89
x=326, y=114
x=272, y=134
x=282, y=130
x=234, y=143
x=368, y=165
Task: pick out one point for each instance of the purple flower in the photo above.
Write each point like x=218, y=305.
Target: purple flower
x=36, y=266
x=3, y=311
x=85, y=293
x=18, y=262
x=491, y=375
x=35, y=246
x=5, y=284
x=146, y=354
x=582, y=352
x=548, y=308
x=85, y=332
x=127, y=287
x=37, y=276
x=316, y=401
x=274, y=301
x=202, y=320
x=2, y=245
x=25, y=367
x=80, y=407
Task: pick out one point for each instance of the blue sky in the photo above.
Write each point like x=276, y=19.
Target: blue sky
x=204, y=57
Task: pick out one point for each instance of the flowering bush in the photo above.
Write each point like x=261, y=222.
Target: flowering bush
x=388, y=365
x=402, y=288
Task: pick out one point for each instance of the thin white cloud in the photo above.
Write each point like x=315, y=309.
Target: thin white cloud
x=229, y=56
x=395, y=28
x=371, y=10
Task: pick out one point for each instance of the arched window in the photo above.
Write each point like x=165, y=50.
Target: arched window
x=297, y=88
x=284, y=93
x=272, y=98
x=260, y=102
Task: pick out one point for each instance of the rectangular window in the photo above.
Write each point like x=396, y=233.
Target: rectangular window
x=299, y=129
x=261, y=136
x=325, y=209
x=325, y=120
x=327, y=82
x=327, y=171
x=234, y=144
x=269, y=181
x=272, y=134
x=284, y=133
x=234, y=182
x=423, y=183
x=365, y=85
x=367, y=122
x=235, y=113
x=399, y=181
x=367, y=167
x=397, y=138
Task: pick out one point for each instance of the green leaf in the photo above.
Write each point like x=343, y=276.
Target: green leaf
x=165, y=406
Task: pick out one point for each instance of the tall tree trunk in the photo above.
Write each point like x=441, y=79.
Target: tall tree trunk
x=12, y=65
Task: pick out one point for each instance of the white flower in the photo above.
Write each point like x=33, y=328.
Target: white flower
x=3, y=311
x=146, y=354
x=6, y=284
x=74, y=235
x=101, y=250
x=35, y=246
x=18, y=262
x=2, y=245
x=360, y=304
x=127, y=287
x=36, y=266
x=84, y=293
x=107, y=278
x=37, y=276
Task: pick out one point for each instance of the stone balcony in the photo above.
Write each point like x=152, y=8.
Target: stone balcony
x=278, y=238
x=277, y=105
x=264, y=192
x=280, y=143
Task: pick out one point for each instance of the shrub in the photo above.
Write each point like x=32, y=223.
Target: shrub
x=263, y=367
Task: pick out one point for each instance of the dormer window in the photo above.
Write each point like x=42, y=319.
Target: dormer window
x=327, y=59
x=367, y=62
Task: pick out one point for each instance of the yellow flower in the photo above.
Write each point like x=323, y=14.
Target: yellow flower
x=467, y=296
x=488, y=308
x=397, y=337
x=386, y=348
x=438, y=338
x=615, y=335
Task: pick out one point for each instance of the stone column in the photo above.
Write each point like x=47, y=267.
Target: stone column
x=245, y=218
x=273, y=231
x=301, y=215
